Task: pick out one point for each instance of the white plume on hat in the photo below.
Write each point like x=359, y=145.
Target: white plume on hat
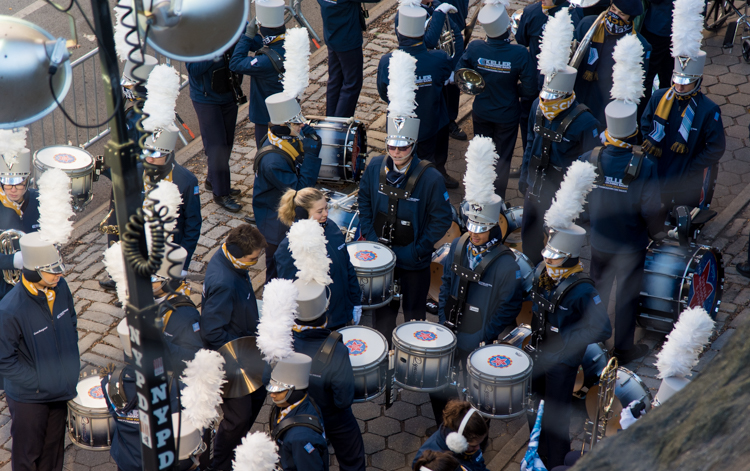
x=402, y=84
x=504, y=3
x=307, y=242
x=296, y=62
x=115, y=265
x=203, y=378
x=628, y=74
x=479, y=179
x=680, y=352
x=12, y=142
x=163, y=86
x=169, y=197
x=257, y=452
x=123, y=28
x=275, y=327
x=409, y=3
x=570, y=198
x=55, y=208
x=687, y=28
x=555, y=44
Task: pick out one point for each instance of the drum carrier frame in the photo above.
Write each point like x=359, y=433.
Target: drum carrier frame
x=391, y=232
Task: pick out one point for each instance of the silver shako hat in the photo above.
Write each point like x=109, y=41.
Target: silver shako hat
x=687, y=35
x=627, y=88
x=479, y=181
x=403, y=124
x=555, y=45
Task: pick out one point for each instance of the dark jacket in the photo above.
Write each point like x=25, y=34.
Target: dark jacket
x=435, y=29
x=264, y=80
x=302, y=448
x=502, y=65
x=39, y=356
x=229, y=310
x=182, y=336
x=658, y=20
x=342, y=30
x=428, y=210
x=200, y=75
x=27, y=222
x=434, y=68
x=345, y=290
x=436, y=442
x=622, y=214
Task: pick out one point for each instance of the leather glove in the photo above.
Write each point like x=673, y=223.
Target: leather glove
x=357, y=314
x=310, y=139
x=446, y=8
x=252, y=28
x=18, y=260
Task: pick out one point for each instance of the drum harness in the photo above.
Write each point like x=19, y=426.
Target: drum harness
x=394, y=231
x=273, y=149
x=166, y=309
x=631, y=172
x=276, y=61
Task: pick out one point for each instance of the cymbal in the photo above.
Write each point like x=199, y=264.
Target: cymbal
x=244, y=367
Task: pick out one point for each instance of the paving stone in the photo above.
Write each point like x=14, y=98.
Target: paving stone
x=87, y=341
x=426, y=411
x=404, y=442
x=708, y=355
x=402, y=411
x=92, y=295
x=85, y=324
x=743, y=297
x=110, y=309
x=383, y=426
x=722, y=89
x=97, y=316
x=113, y=340
x=414, y=397
x=373, y=443
x=108, y=351
x=91, y=458
x=99, y=361
x=105, y=467
x=733, y=111
x=388, y=459
x=366, y=410
x=217, y=232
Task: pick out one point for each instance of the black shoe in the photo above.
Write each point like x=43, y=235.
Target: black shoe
x=626, y=356
x=109, y=284
x=515, y=172
x=743, y=269
x=450, y=182
x=228, y=203
x=456, y=132
x=432, y=306
x=118, y=304
x=250, y=219
x=232, y=191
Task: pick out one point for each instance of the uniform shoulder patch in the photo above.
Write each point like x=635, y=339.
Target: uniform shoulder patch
x=518, y=274
x=716, y=116
x=196, y=327
x=597, y=299
x=197, y=190
x=309, y=447
x=446, y=196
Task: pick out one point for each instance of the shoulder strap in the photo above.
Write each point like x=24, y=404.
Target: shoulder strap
x=596, y=162
x=165, y=310
x=568, y=120
x=323, y=357
x=274, y=57
x=269, y=149
x=396, y=193
x=568, y=284
x=634, y=167
x=299, y=420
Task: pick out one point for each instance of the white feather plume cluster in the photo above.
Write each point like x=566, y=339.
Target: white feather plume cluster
x=296, y=62
x=479, y=179
x=275, y=326
x=409, y=3
x=170, y=198
x=257, y=452
x=628, y=74
x=122, y=28
x=307, y=242
x=504, y=3
x=12, y=142
x=203, y=378
x=55, y=208
x=687, y=28
x=555, y=45
x=402, y=84
x=570, y=198
x=115, y=265
x=163, y=86
x=680, y=352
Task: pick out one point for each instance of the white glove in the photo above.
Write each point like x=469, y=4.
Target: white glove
x=626, y=416
x=18, y=260
x=446, y=8
x=183, y=274
x=357, y=313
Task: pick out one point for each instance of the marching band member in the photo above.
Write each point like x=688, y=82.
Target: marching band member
x=346, y=295
x=264, y=36
x=682, y=128
x=568, y=313
x=412, y=211
x=625, y=205
x=656, y=29
x=436, y=461
x=229, y=312
x=496, y=111
x=39, y=356
x=288, y=157
x=434, y=69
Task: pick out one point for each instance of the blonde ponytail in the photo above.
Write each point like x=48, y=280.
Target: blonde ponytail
x=303, y=198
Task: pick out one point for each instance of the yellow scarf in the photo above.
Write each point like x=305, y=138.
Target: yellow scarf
x=613, y=141
x=560, y=273
x=286, y=411
x=552, y=108
x=285, y=144
x=48, y=292
x=302, y=328
x=183, y=289
x=546, y=8
x=10, y=204
x=236, y=263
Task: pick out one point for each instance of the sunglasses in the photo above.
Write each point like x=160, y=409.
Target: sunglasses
x=400, y=148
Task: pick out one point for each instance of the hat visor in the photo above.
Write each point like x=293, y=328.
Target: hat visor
x=398, y=141
x=57, y=268
x=551, y=95
x=553, y=254
x=274, y=386
x=683, y=79
x=297, y=119
x=13, y=180
x=478, y=227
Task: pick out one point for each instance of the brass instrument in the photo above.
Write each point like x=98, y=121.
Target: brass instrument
x=469, y=81
x=575, y=61
x=515, y=18
x=104, y=228
x=8, y=246
x=606, y=399
x=447, y=41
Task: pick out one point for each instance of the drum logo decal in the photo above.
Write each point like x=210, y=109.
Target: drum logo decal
x=365, y=255
x=425, y=335
x=702, y=290
x=96, y=392
x=356, y=347
x=500, y=361
x=65, y=158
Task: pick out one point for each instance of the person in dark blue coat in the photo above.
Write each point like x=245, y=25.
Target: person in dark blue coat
x=508, y=76
x=230, y=311
x=346, y=295
x=436, y=461
x=656, y=29
x=133, y=93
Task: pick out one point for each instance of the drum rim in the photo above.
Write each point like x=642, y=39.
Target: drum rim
x=437, y=351
x=73, y=173
x=474, y=371
x=387, y=267
x=35, y=158
x=90, y=412
x=422, y=390
x=638, y=379
x=380, y=359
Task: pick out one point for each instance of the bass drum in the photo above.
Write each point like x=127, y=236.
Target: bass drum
x=628, y=388
x=344, y=148
x=594, y=361
x=676, y=278
x=513, y=236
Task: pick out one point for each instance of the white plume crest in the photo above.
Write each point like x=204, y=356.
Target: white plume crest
x=479, y=179
x=275, y=326
x=628, y=74
x=402, y=84
x=12, y=142
x=409, y=3
x=504, y=3
x=115, y=265
x=687, y=28
x=203, y=378
x=163, y=86
x=679, y=354
x=168, y=194
x=555, y=45
x=122, y=28
x=296, y=62
x=55, y=208
x=257, y=452
x=570, y=198
x=307, y=242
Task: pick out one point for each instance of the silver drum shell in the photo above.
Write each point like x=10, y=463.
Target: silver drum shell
x=499, y=397
x=376, y=284
x=90, y=428
x=423, y=369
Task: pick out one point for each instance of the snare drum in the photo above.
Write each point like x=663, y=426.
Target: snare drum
x=80, y=166
x=344, y=148
x=499, y=380
x=368, y=353
x=424, y=356
x=90, y=426
x=342, y=209
x=374, y=263
x=628, y=388
x=191, y=443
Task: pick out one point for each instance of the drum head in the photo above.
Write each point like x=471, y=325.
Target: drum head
x=500, y=360
x=707, y=281
x=64, y=157
x=366, y=346
x=90, y=393
x=370, y=255
x=422, y=334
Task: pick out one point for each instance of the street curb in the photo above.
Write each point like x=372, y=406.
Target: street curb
x=509, y=450
x=714, y=227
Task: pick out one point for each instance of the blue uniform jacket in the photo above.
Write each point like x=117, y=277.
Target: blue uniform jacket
x=463, y=11
x=182, y=335
x=264, y=80
x=428, y=210
x=681, y=175
x=582, y=135
x=27, y=222
x=502, y=65
x=595, y=94
x=658, y=18
x=436, y=442
x=498, y=296
x=345, y=290
x=621, y=215
x=435, y=29
x=39, y=356
x=302, y=448
x=434, y=68
x=342, y=30
x=229, y=310
x=273, y=178
x=199, y=78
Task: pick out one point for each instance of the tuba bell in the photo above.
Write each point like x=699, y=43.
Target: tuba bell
x=9, y=245
x=575, y=61
x=469, y=81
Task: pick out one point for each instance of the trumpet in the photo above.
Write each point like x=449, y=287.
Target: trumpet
x=606, y=399
x=8, y=246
